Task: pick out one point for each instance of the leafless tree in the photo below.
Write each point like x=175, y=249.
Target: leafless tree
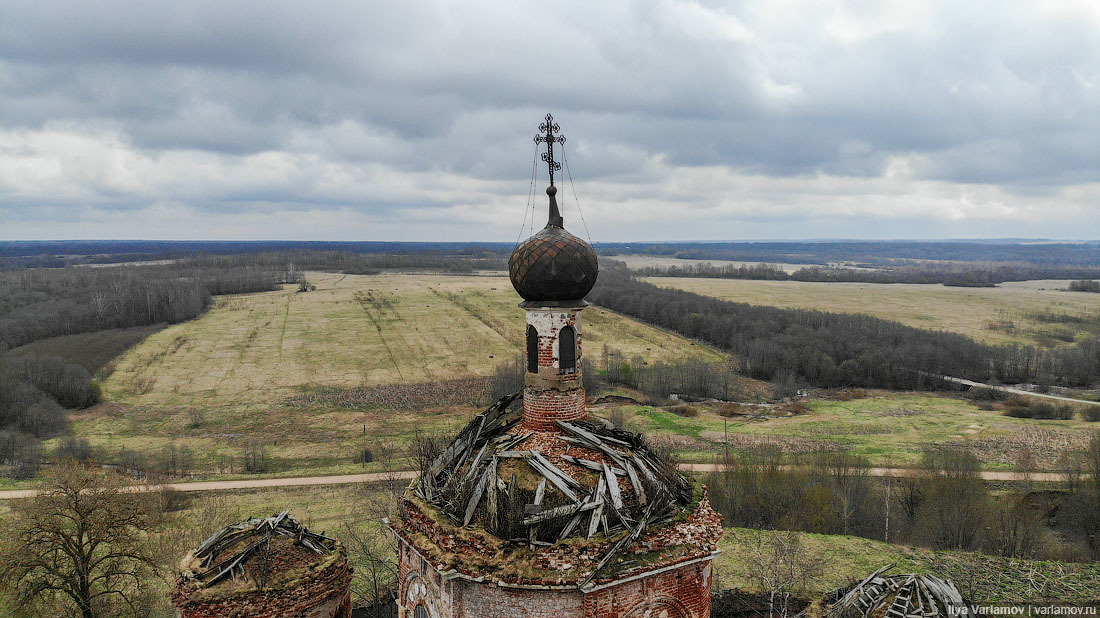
x=80, y=542
x=782, y=567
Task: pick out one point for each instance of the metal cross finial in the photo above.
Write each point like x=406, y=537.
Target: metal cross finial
x=547, y=130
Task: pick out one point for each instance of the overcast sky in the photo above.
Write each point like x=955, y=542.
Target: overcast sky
x=409, y=120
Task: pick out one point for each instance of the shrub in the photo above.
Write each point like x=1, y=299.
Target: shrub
x=74, y=448
x=731, y=409
x=685, y=411
x=364, y=456
x=1091, y=414
x=255, y=460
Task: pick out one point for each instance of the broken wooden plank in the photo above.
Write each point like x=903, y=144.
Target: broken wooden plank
x=636, y=483
x=540, y=492
x=514, y=454
x=572, y=482
x=613, y=487
x=591, y=465
x=597, y=515
x=478, y=490
x=558, y=511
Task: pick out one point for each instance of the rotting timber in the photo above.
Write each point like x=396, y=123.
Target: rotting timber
x=528, y=498
x=272, y=566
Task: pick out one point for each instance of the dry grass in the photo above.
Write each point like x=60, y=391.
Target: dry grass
x=353, y=331
x=317, y=377
x=992, y=315
x=890, y=429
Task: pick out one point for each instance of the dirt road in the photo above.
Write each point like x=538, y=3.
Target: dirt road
x=1018, y=391
x=405, y=475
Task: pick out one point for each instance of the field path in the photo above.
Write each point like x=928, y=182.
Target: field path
x=375, y=477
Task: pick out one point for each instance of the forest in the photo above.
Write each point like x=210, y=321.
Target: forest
x=987, y=274
x=871, y=253
x=833, y=350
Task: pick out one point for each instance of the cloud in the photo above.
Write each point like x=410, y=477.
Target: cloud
x=747, y=118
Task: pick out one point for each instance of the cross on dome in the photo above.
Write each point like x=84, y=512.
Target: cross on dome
x=546, y=136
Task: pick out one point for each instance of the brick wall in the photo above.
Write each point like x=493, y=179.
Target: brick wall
x=549, y=394
x=542, y=407
x=682, y=592
x=678, y=592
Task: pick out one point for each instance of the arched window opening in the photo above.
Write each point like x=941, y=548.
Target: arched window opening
x=421, y=612
x=532, y=349
x=567, y=350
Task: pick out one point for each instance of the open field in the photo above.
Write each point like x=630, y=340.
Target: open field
x=890, y=429
x=353, y=331
x=226, y=380
x=635, y=262
x=993, y=315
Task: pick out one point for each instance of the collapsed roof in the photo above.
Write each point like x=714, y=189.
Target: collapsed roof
x=229, y=551
x=899, y=596
x=542, y=487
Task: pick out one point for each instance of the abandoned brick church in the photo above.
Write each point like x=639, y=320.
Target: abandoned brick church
x=542, y=512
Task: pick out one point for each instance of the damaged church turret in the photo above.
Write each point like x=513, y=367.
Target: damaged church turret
x=539, y=511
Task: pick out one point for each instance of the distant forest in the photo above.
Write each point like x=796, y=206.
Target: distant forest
x=835, y=349
x=884, y=254
x=877, y=254
x=983, y=274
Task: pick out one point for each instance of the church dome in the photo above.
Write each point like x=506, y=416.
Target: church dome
x=553, y=265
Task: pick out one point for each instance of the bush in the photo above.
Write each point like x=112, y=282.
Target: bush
x=75, y=449
x=255, y=459
x=1091, y=414
x=364, y=456
x=732, y=409
x=685, y=411
x=1039, y=410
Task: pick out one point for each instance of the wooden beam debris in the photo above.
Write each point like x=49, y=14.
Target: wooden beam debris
x=263, y=530
x=899, y=596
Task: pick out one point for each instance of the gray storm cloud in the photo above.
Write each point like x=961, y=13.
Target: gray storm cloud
x=700, y=120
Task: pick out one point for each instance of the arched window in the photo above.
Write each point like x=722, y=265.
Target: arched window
x=567, y=350
x=532, y=349
x=421, y=612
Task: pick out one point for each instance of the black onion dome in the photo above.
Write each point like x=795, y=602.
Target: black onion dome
x=553, y=265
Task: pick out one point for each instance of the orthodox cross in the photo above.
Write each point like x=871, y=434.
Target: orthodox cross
x=547, y=130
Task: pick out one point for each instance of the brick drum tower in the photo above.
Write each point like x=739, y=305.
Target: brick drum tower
x=540, y=512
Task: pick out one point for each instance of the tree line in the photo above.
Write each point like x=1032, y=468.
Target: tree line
x=833, y=349
x=1085, y=285
x=950, y=274
x=945, y=505
x=869, y=253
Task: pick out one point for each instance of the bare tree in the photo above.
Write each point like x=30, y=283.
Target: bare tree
x=781, y=567
x=80, y=542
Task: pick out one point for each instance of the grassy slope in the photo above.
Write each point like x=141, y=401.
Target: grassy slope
x=233, y=369
x=981, y=313
x=888, y=428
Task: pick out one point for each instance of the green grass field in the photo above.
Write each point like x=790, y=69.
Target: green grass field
x=992, y=315
x=223, y=380
x=890, y=429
